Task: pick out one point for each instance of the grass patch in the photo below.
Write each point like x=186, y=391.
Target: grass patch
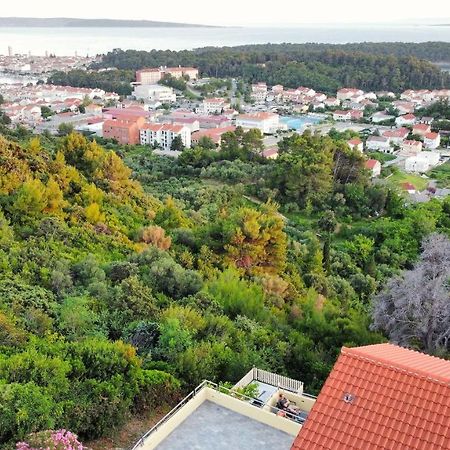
x=401, y=177
x=382, y=157
x=442, y=175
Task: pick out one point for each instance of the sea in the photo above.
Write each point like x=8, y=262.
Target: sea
x=93, y=41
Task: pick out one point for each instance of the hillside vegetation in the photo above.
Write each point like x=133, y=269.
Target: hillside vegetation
x=124, y=275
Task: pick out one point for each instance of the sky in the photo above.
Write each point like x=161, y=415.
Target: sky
x=237, y=12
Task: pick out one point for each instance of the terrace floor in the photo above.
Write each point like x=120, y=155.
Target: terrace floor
x=211, y=426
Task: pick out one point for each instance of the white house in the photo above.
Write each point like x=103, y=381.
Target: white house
x=266, y=122
x=421, y=129
x=374, y=166
x=259, y=92
x=350, y=93
x=396, y=136
x=406, y=119
x=432, y=140
x=356, y=144
x=214, y=106
x=422, y=162
x=341, y=115
x=411, y=146
x=331, y=102
x=163, y=135
x=379, y=143
x=381, y=116
x=154, y=93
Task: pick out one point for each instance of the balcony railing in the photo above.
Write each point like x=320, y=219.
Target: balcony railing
x=173, y=411
x=224, y=390
x=273, y=379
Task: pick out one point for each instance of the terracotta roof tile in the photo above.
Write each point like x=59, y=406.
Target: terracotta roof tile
x=399, y=399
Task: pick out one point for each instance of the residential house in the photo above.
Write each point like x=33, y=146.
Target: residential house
x=215, y=134
x=259, y=92
x=396, y=136
x=331, y=102
x=426, y=119
x=93, y=109
x=214, y=121
x=347, y=115
x=381, y=116
x=350, y=93
x=379, y=143
x=406, y=119
x=411, y=146
x=381, y=397
x=432, y=140
x=374, y=166
x=356, y=144
x=270, y=153
x=404, y=107
x=409, y=188
x=421, y=129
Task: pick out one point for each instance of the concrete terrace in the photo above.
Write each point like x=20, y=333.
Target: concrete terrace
x=212, y=426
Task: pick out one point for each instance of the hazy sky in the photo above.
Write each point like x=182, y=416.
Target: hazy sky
x=240, y=12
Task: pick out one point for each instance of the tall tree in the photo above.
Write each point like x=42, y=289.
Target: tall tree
x=414, y=309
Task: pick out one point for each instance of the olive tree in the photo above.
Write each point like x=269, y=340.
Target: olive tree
x=414, y=308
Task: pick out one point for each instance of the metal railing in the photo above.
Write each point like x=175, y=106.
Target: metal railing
x=173, y=411
x=221, y=389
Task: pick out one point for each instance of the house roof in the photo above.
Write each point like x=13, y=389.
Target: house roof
x=260, y=116
x=354, y=141
x=381, y=397
x=398, y=133
x=371, y=163
x=412, y=143
x=407, y=186
x=421, y=126
x=407, y=117
x=432, y=136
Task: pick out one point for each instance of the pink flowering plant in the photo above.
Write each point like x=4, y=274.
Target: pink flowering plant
x=51, y=440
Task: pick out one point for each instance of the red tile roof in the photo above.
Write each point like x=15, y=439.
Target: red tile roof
x=381, y=397
x=421, y=126
x=371, y=163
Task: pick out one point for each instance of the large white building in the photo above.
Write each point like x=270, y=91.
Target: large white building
x=214, y=106
x=154, y=93
x=154, y=75
x=266, y=122
x=162, y=135
x=422, y=162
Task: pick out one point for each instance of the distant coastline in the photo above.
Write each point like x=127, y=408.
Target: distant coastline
x=59, y=22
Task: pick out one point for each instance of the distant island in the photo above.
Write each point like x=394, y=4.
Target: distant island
x=60, y=22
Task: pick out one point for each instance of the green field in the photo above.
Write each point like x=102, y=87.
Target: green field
x=442, y=175
x=401, y=177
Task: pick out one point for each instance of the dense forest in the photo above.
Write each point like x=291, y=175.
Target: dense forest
x=324, y=67
x=388, y=66
x=117, y=81
x=124, y=274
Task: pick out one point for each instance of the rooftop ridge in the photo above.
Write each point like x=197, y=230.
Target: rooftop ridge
x=390, y=364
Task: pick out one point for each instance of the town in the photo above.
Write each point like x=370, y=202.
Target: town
x=392, y=129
